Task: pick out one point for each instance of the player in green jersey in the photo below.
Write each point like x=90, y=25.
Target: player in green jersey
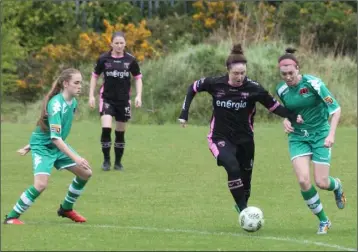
x=49, y=148
x=312, y=140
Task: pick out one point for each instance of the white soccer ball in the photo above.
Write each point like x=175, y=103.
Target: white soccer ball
x=251, y=219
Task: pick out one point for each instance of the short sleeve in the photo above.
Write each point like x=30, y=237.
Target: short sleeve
x=325, y=95
x=281, y=89
x=99, y=67
x=135, y=69
x=54, y=118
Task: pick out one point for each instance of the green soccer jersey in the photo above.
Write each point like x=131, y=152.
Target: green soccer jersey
x=59, y=122
x=311, y=99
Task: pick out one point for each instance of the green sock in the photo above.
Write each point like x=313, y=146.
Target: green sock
x=74, y=191
x=27, y=198
x=314, y=203
x=333, y=184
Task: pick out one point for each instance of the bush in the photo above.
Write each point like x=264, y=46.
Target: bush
x=166, y=80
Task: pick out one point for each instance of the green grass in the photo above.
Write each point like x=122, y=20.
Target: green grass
x=172, y=196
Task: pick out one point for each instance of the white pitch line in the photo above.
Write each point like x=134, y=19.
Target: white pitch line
x=192, y=231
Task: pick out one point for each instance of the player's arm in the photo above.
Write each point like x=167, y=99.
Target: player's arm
x=267, y=100
x=334, y=109
x=98, y=69
x=198, y=86
x=54, y=118
x=135, y=71
x=24, y=150
x=287, y=126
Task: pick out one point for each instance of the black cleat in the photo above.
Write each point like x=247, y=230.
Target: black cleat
x=118, y=167
x=106, y=166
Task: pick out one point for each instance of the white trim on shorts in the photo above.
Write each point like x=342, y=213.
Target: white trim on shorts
x=45, y=173
x=301, y=155
x=67, y=166
x=325, y=163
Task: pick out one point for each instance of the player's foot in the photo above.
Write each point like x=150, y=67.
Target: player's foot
x=118, y=166
x=339, y=195
x=13, y=221
x=71, y=214
x=324, y=226
x=106, y=166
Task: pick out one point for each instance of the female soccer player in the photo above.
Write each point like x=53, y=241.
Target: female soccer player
x=313, y=139
x=49, y=148
x=116, y=66
x=231, y=137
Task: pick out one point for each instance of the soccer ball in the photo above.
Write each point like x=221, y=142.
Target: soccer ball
x=251, y=219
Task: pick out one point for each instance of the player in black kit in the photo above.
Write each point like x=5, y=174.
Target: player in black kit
x=116, y=65
x=231, y=137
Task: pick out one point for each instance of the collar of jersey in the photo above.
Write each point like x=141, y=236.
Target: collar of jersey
x=69, y=103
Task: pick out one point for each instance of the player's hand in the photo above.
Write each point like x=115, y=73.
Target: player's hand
x=23, y=151
x=329, y=141
x=92, y=102
x=82, y=163
x=183, y=122
x=138, y=101
x=287, y=127
x=299, y=119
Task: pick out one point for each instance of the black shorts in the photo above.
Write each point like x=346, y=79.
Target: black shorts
x=121, y=111
x=223, y=149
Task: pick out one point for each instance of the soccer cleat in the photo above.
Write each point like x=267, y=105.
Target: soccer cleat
x=71, y=214
x=324, y=226
x=339, y=195
x=118, y=167
x=13, y=221
x=237, y=209
x=106, y=166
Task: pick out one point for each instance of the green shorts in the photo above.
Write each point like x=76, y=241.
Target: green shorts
x=312, y=144
x=46, y=157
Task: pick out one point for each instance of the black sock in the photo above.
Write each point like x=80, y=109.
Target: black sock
x=237, y=190
x=106, y=143
x=119, y=145
x=246, y=179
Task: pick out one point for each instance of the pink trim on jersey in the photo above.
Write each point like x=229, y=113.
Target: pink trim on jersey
x=101, y=99
x=138, y=77
x=287, y=62
x=250, y=119
x=212, y=146
x=194, y=87
x=274, y=106
x=95, y=75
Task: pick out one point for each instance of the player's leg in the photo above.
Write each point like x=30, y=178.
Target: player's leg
x=42, y=166
x=119, y=145
x=106, y=111
x=300, y=152
x=321, y=159
x=123, y=114
x=225, y=153
x=75, y=189
x=245, y=154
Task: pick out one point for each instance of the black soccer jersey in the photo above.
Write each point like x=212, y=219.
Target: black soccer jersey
x=116, y=73
x=233, y=107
